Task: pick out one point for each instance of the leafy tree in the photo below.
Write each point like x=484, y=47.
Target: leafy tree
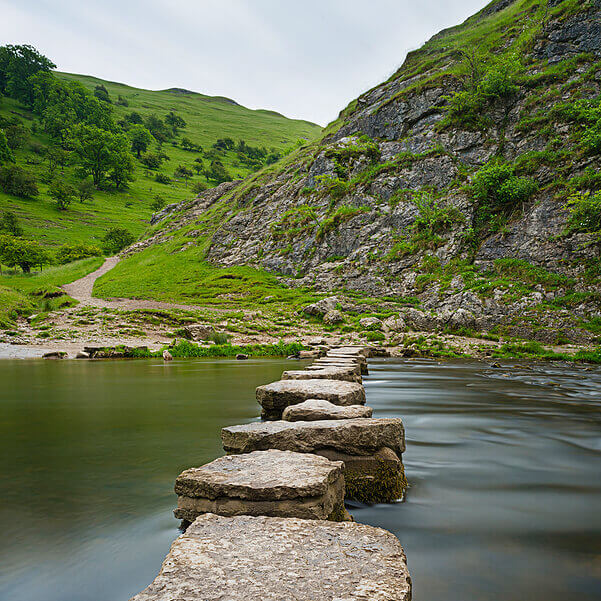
x=16, y=136
x=217, y=172
x=116, y=240
x=9, y=224
x=134, y=118
x=15, y=180
x=121, y=101
x=62, y=193
x=75, y=252
x=24, y=253
x=161, y=178
x=224, y=144
x=158, y=203
x=156, y=126
x=102, y=93
x=199, y=187
x=187, y=144
x=17, y=65
x=85, y=190
x=100, y=152
x=183, y=172
x=198, y=165
x=140, y=139
x=175, y=122
x=151, y=160
x=6, y=154
x=56, y=156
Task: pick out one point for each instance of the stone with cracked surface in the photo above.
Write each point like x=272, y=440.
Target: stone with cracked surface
x=361, y=436
x=270, y=559
x=275, y=397
x=275, y=483
x=318, y=409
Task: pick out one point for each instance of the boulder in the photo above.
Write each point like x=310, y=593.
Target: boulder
x=347, y=374
x=320, y=308
x=242, y=357
x=273, y=482
x=167, y=356
x=371, y=323
x=265, y=558
x=82, y=355
x=199, y=331
x=354, y=368
x=333, y=317
x=361, y=436
x=275, y=397
x=318, y=410
x=55, y=355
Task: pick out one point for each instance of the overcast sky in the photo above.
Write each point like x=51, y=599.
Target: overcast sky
x=304, y=58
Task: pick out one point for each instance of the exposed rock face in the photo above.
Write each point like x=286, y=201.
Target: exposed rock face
x=366, y=247
x=352, y=436
x=318, y=410
x=274, y=483
x=212, y=561
x=275, y=397
x=200, y=331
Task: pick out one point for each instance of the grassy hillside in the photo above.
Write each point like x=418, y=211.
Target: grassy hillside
x=207, y=118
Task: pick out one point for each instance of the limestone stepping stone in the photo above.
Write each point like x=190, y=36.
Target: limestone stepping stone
x=274, y=483
x=317, y=409
x=275, y=397
x=265, y=558
x=370, y=448
x=342, y=362
x=347, y=374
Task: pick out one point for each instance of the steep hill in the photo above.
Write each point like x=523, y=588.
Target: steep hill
x=207, y=120
x=467, y=185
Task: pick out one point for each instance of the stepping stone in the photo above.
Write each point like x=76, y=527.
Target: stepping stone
x=274, y=483
x=317, y=409
x=347, y=374
x=264, y=558
x=323, y=363
x=370, y=448
x=275, y=397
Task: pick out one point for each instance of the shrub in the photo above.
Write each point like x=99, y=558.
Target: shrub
x=9, y=224
x=68, y=253
x=199, y=187
x=85, y=190
x=161, y=178
x=15, y=180
x=158, y=204
x=333, y=187
x=585, y=213
x=62, y=193
x=116, y=240
x=151, y=160
x=498, y=191
x=24, y=253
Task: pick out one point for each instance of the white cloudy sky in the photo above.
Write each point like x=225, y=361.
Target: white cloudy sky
x=303, y=58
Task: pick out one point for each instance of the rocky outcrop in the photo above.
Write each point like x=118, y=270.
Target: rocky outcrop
x=259, y=558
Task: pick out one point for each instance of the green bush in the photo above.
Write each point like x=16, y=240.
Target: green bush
x=17, y=181
x=162, y=178
x=585, y=213
x=74, y=252
x=116, y=239
x=498, y=191
x=333, y=187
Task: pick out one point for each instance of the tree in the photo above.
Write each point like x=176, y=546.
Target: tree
x=9, y=224
x=134, y=118
x=183, y=172
x=217, y=172
x=198, y=165
x=224, y=144
x=101, y=152
x=24, y=253
x=56, y=156
x=140, y=139
x=74, y=252
x=116, y=240
x=158, y=203
x=15, y=180
x=175, y=122
x=16, y=136
x=17, y=65
x=156, y=126
x=102, y=93
x=85, y=190
x=62, y=193
x=151, y=160
x=6, y=155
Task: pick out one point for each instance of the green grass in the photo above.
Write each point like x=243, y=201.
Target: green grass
x=185, y=277
x=207, y=118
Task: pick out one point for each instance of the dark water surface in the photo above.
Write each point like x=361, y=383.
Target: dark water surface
x=504, y=465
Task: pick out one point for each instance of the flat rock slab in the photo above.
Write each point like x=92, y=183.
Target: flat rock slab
x=362, y=436
x=273, y=559
x=346, y=374
x=317, y=410
x=275, y=397
x=273, y=482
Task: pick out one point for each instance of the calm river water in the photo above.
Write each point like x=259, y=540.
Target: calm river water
x=504, y=466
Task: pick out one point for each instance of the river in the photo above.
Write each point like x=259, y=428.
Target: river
x=504, y=466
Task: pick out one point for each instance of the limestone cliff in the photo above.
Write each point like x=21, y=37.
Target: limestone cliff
x=449, y=183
